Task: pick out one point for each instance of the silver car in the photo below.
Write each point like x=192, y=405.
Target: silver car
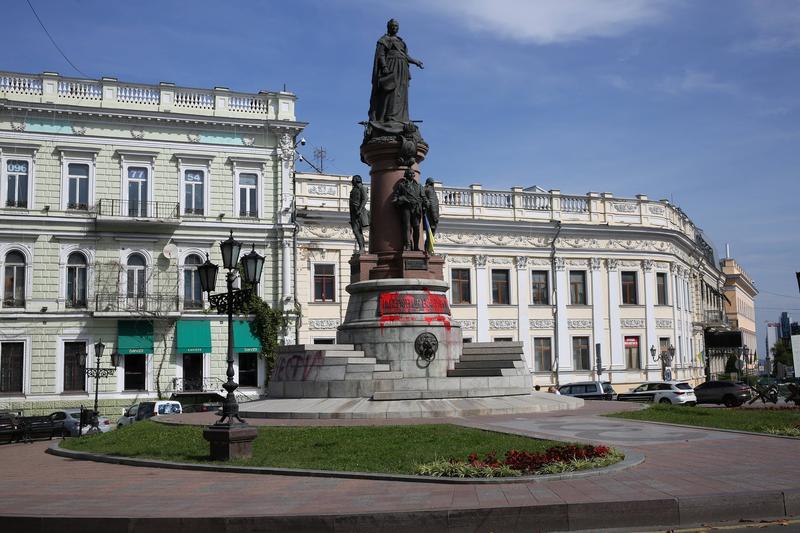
x=67, y=423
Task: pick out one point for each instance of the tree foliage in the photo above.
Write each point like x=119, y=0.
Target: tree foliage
x=782, y=353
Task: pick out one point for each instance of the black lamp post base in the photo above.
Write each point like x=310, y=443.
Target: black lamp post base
x=230, y=441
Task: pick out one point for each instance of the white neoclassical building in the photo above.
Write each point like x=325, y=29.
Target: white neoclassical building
x=112, y=195
x=577, y=279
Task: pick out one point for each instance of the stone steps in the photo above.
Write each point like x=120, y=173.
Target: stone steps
x=503, y=363
x=473, y=372
x=491, y=357
x=444, y=394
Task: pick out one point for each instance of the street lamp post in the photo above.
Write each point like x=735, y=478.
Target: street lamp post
x=98, y=372
x=666, y=357
x=229, y=439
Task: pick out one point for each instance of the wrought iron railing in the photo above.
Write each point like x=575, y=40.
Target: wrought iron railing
x=149, y=303
x=211, y=384
x=137, y=209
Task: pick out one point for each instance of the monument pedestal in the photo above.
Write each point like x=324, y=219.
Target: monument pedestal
x=230, y=441
x=396, y=265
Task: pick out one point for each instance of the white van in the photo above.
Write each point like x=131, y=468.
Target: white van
x=156, y=408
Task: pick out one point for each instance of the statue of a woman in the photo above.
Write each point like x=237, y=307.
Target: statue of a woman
x=390, y=75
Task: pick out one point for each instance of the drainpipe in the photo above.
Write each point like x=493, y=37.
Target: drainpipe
x=553, y=274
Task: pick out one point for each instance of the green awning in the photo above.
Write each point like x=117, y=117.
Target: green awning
x=194, y=336
x=244, y=338
x=135, y=337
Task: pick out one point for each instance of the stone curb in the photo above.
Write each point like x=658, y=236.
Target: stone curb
x=632, y=458
x=704, y=428
x=582, y=516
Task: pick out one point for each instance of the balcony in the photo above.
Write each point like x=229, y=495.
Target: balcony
x=127, y=211
x=110, y=93
x=115, y=304
x=715, y=317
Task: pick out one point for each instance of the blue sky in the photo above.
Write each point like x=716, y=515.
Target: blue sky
x=697, y=102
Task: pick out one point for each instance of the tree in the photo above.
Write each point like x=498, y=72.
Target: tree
x=782, y=353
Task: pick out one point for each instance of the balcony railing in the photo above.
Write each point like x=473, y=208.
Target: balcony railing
x=146, y=304
x=330, y=193
x=136, y=209
x=715, y=316
x=110, y=93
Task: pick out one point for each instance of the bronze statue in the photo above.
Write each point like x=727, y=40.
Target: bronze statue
x=408, y=198
x=359, y=216
x=431, y=205
x=390, y=76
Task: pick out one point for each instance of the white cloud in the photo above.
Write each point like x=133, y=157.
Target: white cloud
x=550, y=21
x=693, y=81
x=616, y=81
x=777, y=25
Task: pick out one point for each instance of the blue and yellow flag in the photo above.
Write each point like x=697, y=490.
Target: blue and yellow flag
x=428, y=235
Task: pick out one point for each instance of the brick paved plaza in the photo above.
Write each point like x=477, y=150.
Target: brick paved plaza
x=689, y=476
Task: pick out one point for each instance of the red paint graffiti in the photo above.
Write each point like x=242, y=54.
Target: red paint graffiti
x=393, y=303
x=297, y=367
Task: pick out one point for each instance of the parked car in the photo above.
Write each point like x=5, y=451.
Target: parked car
x=128, y=415
x=728, y=393
x=147, y=410
x=67, y=422
x=588, y=390
x=199, y=402
x=664, y=392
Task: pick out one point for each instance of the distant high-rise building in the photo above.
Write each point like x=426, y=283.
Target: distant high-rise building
x=786, y=329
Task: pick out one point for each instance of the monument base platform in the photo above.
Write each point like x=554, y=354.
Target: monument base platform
x=364, y=408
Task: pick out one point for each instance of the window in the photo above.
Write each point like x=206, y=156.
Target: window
x=324, y=340
x=248, y=370
x=17, y=183
x=540, y=292
x=500, y=293
x=577, y=287
x=194, y=192
x=632, y=352
x=661, y=288
x=629, y=293
x=137, y=192
x=503, y=339
x=460, y=285
x=324, y=283
x=542, y=354
x=663, y=344
x=76, y=280
x=580, y=353
x=193, y=372
x=74, y=373
x=135, y=272
x=78, y=186
x=466, y=340
x=248, y=194
x=14, y=280
x=135, y=371
x=11, y=363
x=192, y=292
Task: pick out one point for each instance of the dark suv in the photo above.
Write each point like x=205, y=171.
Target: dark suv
x=728, y=393
x=588, y=390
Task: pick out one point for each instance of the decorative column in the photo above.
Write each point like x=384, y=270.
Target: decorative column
x=677, y=318
x=286, y=156
x=523, y=300
x=650, y=313
x=598, y=315
x=482, y=300
x=564, y=354
x=614, y=327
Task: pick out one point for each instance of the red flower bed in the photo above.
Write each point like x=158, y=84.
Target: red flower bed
x=530, y=462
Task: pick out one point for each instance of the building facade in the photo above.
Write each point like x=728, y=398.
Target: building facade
x=740, y=293
x=575, y=278
x=112, y=195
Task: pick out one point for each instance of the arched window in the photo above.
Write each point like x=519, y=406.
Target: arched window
x=192, y=293
x=14, y=280
x=136, y=271
x=76, y=280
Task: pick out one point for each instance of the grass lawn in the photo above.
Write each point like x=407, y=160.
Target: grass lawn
x=390, y=449
x=757, y=420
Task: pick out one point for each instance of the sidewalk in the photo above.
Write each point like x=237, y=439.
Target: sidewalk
x=689, y=476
